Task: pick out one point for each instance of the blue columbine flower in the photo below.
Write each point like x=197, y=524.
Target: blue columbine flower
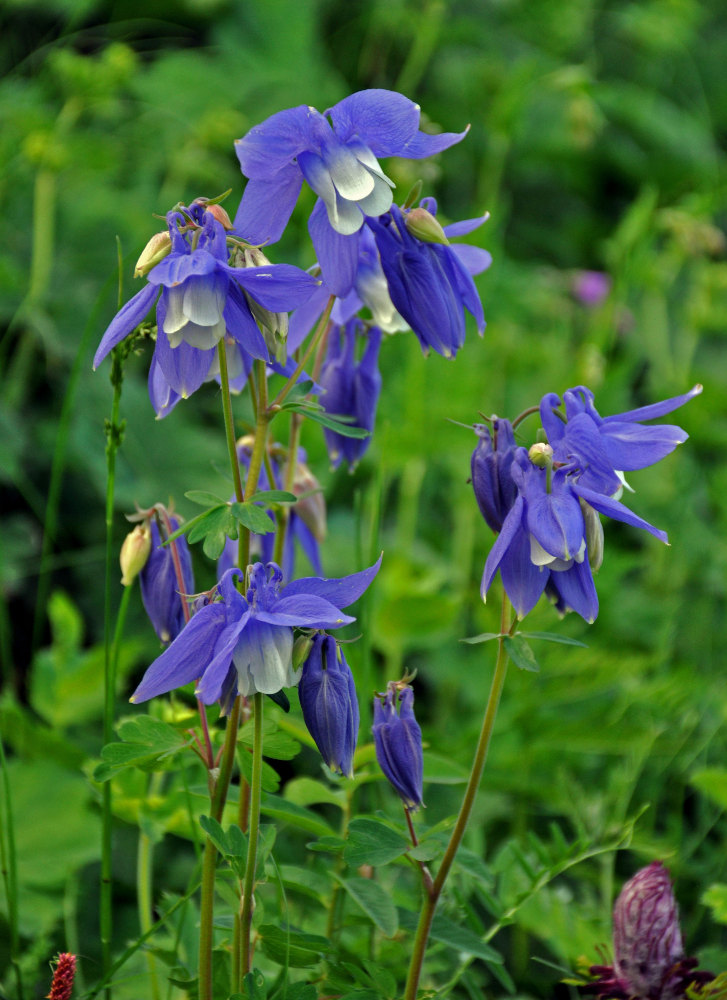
x=159, y=579
x=605, y=447
x=351, y=387
x=328, y=700
x=430, y=283
x=201, y=299
x=336, y=153
x=242, y=644
x=551, y=538
x=398, y=742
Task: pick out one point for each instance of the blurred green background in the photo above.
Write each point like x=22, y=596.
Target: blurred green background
x=597, y=142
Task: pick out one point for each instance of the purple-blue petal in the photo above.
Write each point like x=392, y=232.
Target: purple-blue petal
x=270, y=146
x=634, y=446
x=337, y=254
x=267, y=205
x=279, y=287
x=577, y=590
x=340, y=592
x=656, y=409
x=163, y=397
x=209, y=689
x=186, y=658
x=510, y=527
x=618, y=511
x=176, y=268
x=383, y=119
x=422, y=145
x=184, y=367
x=305, y=611
x=125, y=320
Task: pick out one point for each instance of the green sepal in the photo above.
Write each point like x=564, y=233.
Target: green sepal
x=521, y=654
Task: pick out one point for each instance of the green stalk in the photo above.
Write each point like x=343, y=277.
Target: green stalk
x=114, y=435
x=8, y=859
x=144, y=894
x=296, y=421
x=315, y=340
x=229, y=420
x=209, y=858
x=255, y=798
x=257, y=456
x=432, y=893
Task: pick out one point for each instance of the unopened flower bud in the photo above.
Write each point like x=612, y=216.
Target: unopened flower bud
x=134, y=553
x=273, y=325
x=647, y=941
x=492, y=481
x=311, y=509
x=220, y=214
x=328, y=701
x=594, y=536
x=541, y=454
x=424, y=226
x=398, y=742
x=166, y=579
x=156, y=250
x=301, y=648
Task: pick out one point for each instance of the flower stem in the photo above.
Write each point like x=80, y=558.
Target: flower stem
x=432, y=895
x=229, y=420
x=254, y=828
x=296, y=421
x=144, y=893
x=209, y=858
x=114, y=435
x=320, y=331
x=258, y=452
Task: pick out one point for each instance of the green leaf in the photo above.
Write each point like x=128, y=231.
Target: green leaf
x=327, y=844
x=215, y=526
x=715, y=897
x=439, y=770
x=482, y=637
x=204, y=499
x=215, y=832
x=254, y=984
x=564, y=640
x=308, y=792
x=270, y=777
x=253, y=517
x=297, y=816
x=455, y=935
x=375, y=903
x=713, y=782
x=520, y=653
x=273, y=496
x=334, y=423
x=147, y=742
x=276, y=744
x=291, y=948
x=371, y=842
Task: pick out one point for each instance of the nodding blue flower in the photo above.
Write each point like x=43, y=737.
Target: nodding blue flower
x=430, y=283
x=605, y=447
x=161, y=592
x=492, y=481
x=243, y=644
x=302, y=529
x=337, y=154
x=649, y=960
x=201, y=299
x=328, y=700
x=398, y=742
x=351, y=388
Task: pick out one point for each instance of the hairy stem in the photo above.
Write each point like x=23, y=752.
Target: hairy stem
x=433, y=893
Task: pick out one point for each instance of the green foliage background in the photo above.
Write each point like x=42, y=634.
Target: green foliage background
x=596, y=142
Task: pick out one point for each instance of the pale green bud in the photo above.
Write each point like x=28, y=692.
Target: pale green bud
x=155, y=251
x=594, y=535
x=424, y=226
x=301, y=648
x=541, y=454
x=134, y=553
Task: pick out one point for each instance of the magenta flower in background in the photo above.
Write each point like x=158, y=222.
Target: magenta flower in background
x=591, y=287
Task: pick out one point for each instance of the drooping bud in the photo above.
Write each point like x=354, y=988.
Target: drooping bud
x=424, y=226
x=134, y=553
x=301, y=648
x=166, y=579
x=594, y=536
x=220, y=214
x=63, y=976
x=398, y=742
x=273, y=325
x=156, y=250
x=541, y=454
x=647, y=941
x=328, y=700
x=311, y=508
x=494, y=487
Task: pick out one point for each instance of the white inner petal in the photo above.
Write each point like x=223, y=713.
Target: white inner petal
x=203, y=300
x=349, y=175
x=234, y=361
x=175, y=318
x=624, y=485
x=266, y=652
x=365, y=156
x=345, y=216
x=380, y=199
x=202, y=337
x=374, y=292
